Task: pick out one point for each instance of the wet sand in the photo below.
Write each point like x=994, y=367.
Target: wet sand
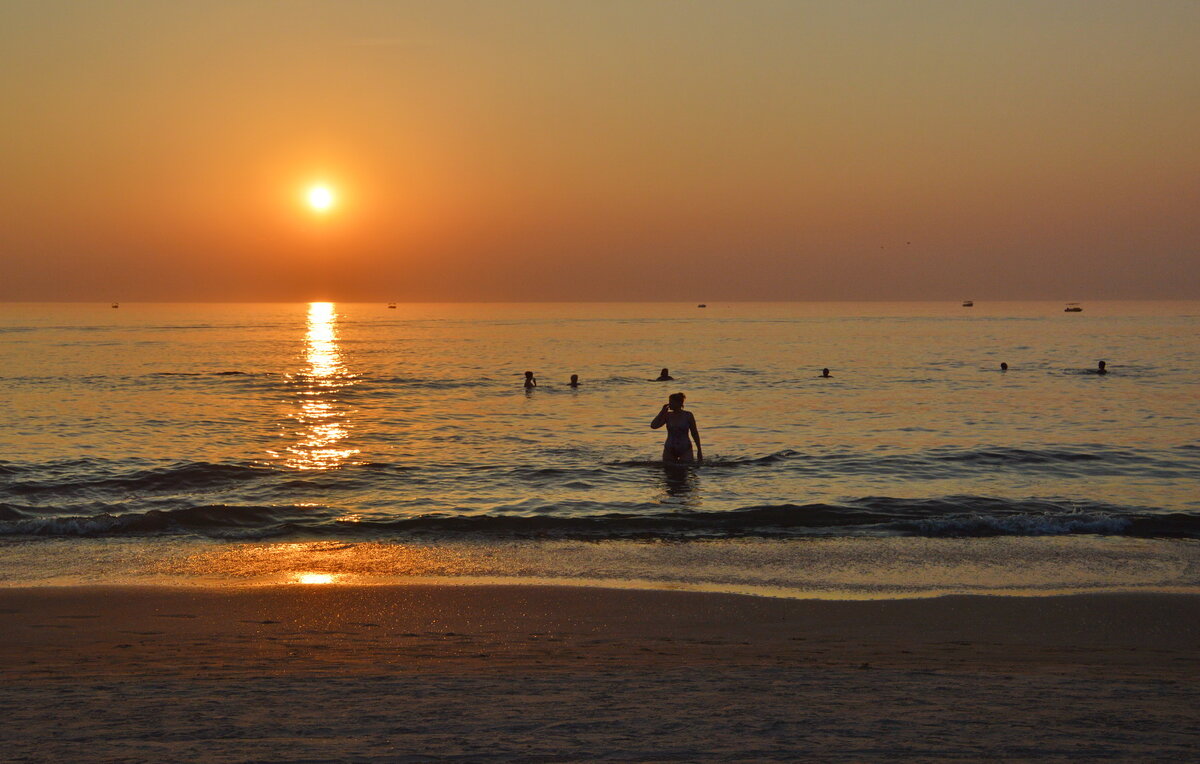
x=420, y=673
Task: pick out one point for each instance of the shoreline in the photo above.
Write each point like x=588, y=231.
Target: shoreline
x=294, y=581
x=832, y=569
x=419, y=672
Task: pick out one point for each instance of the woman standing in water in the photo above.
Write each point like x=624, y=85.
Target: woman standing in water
x=680, y=424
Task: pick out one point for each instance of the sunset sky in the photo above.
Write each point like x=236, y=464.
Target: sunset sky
x=582, y=150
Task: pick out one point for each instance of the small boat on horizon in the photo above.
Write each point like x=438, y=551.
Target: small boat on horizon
x=702, y=305
x=1073, y=307
x=392, y=305
x=115, y=305
x=968, y=303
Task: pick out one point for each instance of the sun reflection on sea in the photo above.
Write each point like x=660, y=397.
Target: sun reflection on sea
x=322, y=415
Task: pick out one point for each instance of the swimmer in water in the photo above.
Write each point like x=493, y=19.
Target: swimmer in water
x=680, y=425
x=530, y=382
x=574, y=381
x=664, y=376
x=825, y=373
x=1003, y=366
x=1100, y=368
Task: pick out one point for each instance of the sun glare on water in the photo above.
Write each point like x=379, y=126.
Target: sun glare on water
x=315, y=578
x=321, y=198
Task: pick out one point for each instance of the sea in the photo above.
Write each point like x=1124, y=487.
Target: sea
x=262, y=444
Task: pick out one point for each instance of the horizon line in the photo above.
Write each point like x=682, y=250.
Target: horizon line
x=591, y=302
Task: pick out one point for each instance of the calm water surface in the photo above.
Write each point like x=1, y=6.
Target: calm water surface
x=221, y=429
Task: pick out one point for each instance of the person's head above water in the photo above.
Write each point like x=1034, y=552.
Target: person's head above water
x=1003, y=366
x=824, y=372
x=528, y=375
x=1101, y=369
x=574, y=380
x=675, y=401
x=664, y=375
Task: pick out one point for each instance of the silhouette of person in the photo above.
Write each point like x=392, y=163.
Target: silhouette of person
x=574, y=381
x=1003, y=366
x=825, y=373
x=530, y=382
x=1100, y=369
x=664, y=376
x=680, y=424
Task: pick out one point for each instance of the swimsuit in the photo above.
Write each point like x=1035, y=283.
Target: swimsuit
x=678, y=447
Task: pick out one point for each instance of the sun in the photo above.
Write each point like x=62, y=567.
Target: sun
x=321, y=198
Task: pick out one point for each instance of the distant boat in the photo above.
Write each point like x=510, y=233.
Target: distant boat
x=116, y=305
x=968, y=304
x=392, y=305
x=1073, y=307
x=702, y=305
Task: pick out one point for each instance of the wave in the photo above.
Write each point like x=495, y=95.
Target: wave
x=230, y=373
x=958, y=516
x=371, y=384
x=940, y=461
x=1031, y=456
x=718, y=462
x=217, y=521
x=104, y=479
x=90, y=477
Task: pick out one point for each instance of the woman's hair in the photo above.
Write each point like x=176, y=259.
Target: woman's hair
x=676, y=396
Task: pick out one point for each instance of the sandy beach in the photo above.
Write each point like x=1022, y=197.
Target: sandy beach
x=423, y=672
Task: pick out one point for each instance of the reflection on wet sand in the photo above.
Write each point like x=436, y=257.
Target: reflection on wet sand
x=324, y=418
x=325, y=562
x=315, y=578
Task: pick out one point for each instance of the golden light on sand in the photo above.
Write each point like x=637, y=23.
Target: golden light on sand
x=321, y=198
x=315, y=578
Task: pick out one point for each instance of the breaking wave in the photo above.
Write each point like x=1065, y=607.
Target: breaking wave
x=963, y=516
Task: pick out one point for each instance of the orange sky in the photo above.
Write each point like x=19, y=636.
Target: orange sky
x=571, y=150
